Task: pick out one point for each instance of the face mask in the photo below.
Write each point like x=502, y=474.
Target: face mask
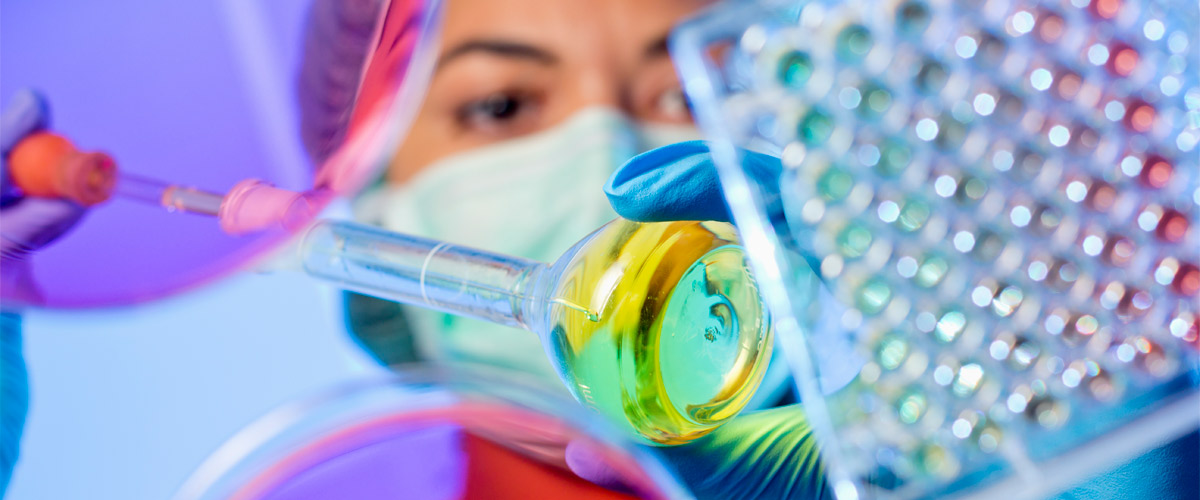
x=531, y=197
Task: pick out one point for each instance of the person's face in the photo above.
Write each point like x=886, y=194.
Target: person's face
x=508, y=68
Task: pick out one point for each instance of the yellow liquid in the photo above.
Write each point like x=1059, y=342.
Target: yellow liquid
x=660, y=327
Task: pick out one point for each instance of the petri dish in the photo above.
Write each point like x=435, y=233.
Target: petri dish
x=216, y=95
x=426, y=434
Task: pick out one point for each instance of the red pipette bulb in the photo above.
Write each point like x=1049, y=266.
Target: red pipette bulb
x=48, y=165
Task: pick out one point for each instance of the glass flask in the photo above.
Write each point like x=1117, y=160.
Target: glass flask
x=658, y=326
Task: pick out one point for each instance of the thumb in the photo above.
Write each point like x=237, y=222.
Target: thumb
x=588, y=463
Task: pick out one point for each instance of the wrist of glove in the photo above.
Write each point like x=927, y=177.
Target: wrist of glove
x=765, y=454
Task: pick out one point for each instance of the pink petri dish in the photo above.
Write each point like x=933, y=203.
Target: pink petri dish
x=426, y=435
x=208, y=104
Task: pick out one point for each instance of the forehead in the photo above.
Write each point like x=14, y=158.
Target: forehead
x=564, y=25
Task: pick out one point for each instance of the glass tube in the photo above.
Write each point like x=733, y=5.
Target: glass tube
x=421, y=271
x=170, y=196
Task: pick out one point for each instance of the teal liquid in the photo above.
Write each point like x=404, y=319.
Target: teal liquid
x=664, y=333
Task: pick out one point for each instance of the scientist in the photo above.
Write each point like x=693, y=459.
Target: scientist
x=531, y=106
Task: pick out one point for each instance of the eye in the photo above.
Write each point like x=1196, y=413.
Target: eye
x=496, y=112
x=672, y=106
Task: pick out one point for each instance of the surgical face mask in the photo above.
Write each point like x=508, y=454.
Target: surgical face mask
x=531, y=197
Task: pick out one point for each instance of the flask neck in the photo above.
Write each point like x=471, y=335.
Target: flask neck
x=428, y=273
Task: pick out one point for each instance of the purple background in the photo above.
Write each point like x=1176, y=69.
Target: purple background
x=176, y=91
x=126, y=403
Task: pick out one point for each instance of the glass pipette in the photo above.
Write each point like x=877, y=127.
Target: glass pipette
x=170, y=196
x=657, y=326
x=48, y=165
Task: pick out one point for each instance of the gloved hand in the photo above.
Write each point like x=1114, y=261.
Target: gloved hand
x=679, y=182
x=29, y=223
x=26, y=224
x=772, y=453
x=765, y=454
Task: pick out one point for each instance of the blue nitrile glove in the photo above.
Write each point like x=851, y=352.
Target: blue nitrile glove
x=14, y=394
x=29, y=222
x=764, y=454
x=679, y=182
x=771, y=454
x=26, y=224
x=26, y=113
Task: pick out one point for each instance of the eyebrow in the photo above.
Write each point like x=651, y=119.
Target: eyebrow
x=500, y=48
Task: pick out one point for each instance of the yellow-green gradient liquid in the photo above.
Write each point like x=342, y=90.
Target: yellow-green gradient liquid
x=660, y=326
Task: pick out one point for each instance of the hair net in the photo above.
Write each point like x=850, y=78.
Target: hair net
x=338, y=39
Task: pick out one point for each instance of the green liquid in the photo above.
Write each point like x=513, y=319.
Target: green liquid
x=854, y=42
x=816, y=127
x=794, y=69
x=678, y=339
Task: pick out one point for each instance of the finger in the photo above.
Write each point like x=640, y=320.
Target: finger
x=676, y=182
x=680, y=182
x=26, y=112
x=31, y=223
x=766, y=454
x=587, y=463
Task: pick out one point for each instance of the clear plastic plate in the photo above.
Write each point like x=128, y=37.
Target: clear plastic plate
x=1000, y=199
